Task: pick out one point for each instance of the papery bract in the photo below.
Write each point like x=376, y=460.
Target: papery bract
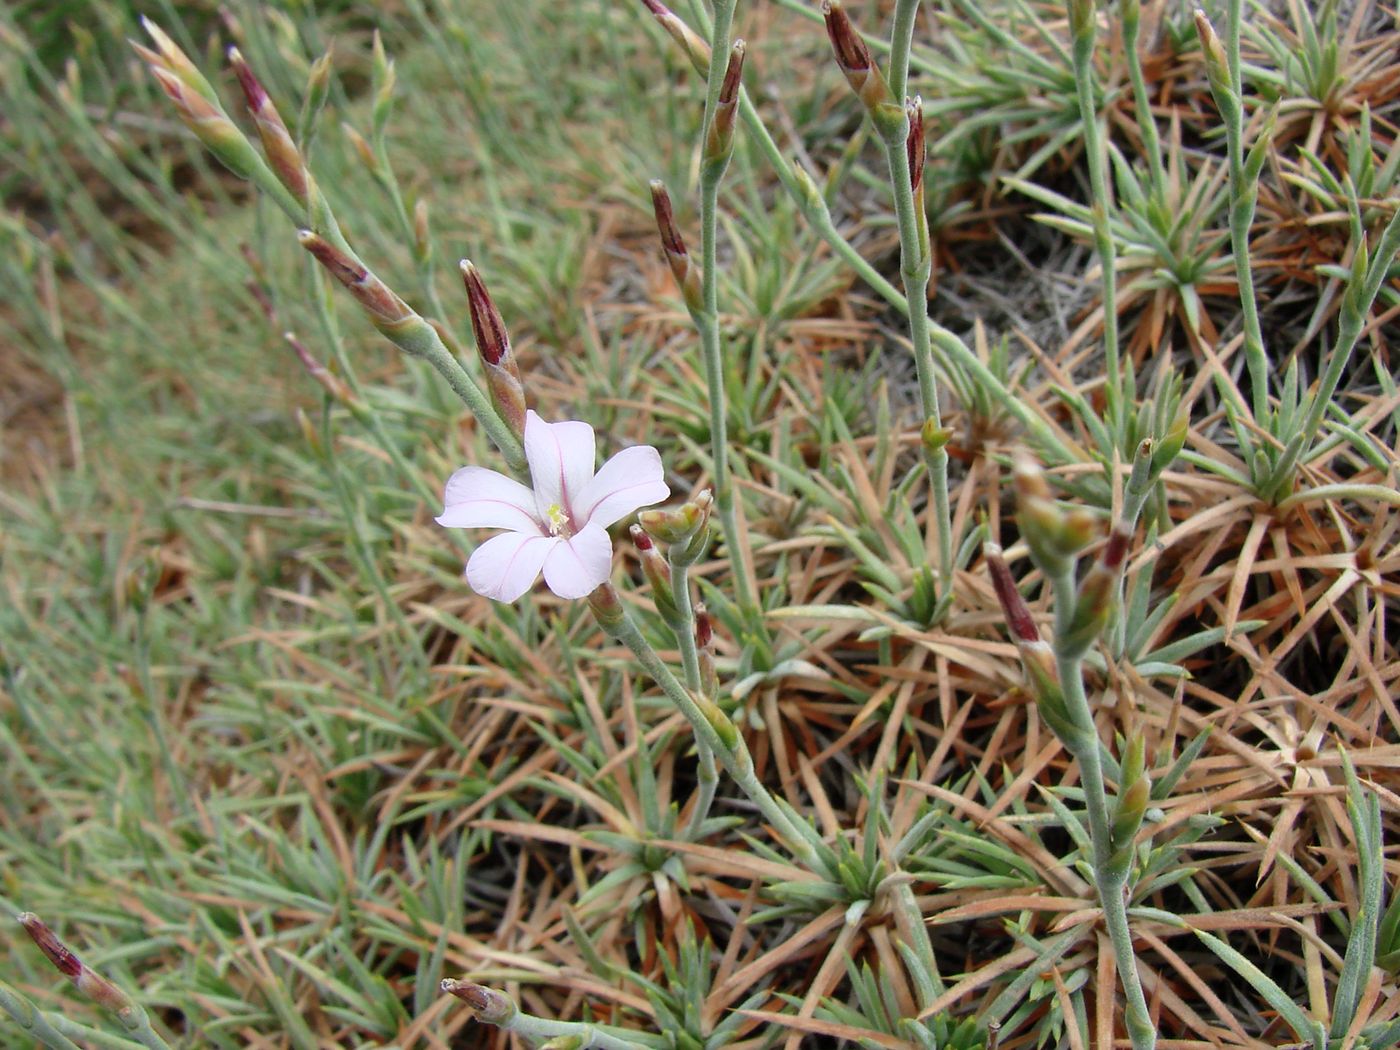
x=559, y=526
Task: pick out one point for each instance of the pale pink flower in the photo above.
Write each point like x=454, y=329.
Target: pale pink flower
x=559, y=526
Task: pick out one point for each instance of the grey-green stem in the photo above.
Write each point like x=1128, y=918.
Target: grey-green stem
x=1084, y=746
x=1097, y=159
x=736, y=760
x=708, y=775
x=708, y=323
x=914, y=268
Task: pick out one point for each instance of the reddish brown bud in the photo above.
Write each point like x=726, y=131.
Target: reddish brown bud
x=65, y=961
x=1116, y=549
x=671, y=239
x=851, y=53
x=282, y=154
x=253, y=91
x=719, y=143
x=491, y=1006
x=492, y=341
x=914, y=143
x=332, y=383
x=371, y=293
x=89, y=982
x=704, y=627
x=1013, y=606
x=687, y=276
x=733, y=74
x=853, y=57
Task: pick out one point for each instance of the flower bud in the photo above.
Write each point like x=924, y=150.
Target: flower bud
x=687, y=275
x=382, y=79
x=705, y=650
x=362, y=149
x=493, y=344
x=318, y=90
x=210, y=124
x=422, y=232
x=1129, y=811
x=659, y=576
x=282, y=154
x=490, y=1006
x=607, y=608
x=719, y=142
x=914, y=147
x=915, y=150
x=696, y=49
x=89, y=982
x=1217, y=65
x=1081, y=17
x=1042, y=674
x=379, y=301
x=854, y=59
x=681, y=524
x=169, y=56
x=1052, y=533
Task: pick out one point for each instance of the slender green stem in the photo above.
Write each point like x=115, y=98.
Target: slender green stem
x=734, y=757
x=915, y=265
x=1244, y=194
x=33, y=1020
x=708, y=775
x=707, y=321
x=901, y=40
x=685, y=633
x=534, y=1030
x=1083, y=744
x=1096, y=156
x=1142, y=102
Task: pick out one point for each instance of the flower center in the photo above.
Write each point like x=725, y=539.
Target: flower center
x=558, y=520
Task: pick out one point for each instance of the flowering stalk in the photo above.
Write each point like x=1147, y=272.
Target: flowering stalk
x=1226, y=87
x=1082, y=24
x=901, y=130
x=497, y=1008
x=721, y=94
x=92, y=984
x=711, y=726
x=1056, y=678
x=412, y=334
x=199, y=108
x=813, y=207
x=686, y=532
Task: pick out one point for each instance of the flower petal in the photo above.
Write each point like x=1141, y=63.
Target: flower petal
x=579, y=564
x=561, y=457
x=481, y=498
x=505, y=566
x=633, y=478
